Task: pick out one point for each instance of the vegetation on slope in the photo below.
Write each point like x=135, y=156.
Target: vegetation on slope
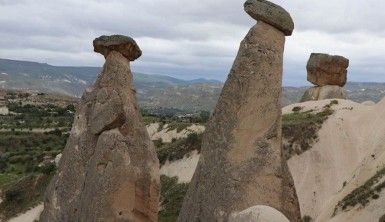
x=27, y=151
x=24, y=193
x=300, y=129
x=26, y=166
x=179, y=148
x=174, y=117
x=24, y=152
x=30, y=116
x=171, y=199
x=363, y=194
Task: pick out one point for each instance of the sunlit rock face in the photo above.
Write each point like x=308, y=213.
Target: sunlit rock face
x=241, y=162
x=109, y=170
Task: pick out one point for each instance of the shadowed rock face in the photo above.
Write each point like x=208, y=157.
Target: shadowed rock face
x=324, y=69
x=109, y=168
x=324, y=92
x=241, y=163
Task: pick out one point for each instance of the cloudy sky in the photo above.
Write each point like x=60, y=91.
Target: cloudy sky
x=192, y=39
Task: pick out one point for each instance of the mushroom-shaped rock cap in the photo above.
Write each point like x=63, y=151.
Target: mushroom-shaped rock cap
x=324, y=69
x=270, y=13
x=120, y=43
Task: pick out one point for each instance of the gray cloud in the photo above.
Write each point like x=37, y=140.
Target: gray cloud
x=190, y=39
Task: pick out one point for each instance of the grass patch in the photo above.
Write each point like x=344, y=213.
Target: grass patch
x=150, y=119
x=363, y=194
x=300, y=129
x=179, y=126
x=23, y=194
x=179, y=148
x=6, y=178
x=37, y=116
x=23, y=152
x=171, y=198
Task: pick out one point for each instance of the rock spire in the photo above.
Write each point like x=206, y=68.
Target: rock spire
x=109, y=170
x=241, y=163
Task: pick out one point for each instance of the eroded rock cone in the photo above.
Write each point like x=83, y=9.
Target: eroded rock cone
x=324, y=92
x=109, y=170
x=241, y=163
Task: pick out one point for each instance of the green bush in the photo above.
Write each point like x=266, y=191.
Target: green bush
x=171, y=198
x=13, y=195
x=363, y=194
x=23, y=194
x=306, y=219
x=204, y=116
x=334, y=102
x=48, y=169
x=178, y=149
x=301, y=128
x=297, y=109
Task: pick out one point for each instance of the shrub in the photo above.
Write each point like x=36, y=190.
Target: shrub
x=297, y=109
x=300, y=129
x=307, y=218
x=24, y=193
x=158, y=143
x=13, y=195
x=334, y=102
x=204, y=116
x=171, y=198
x=48, y=169
x=178, y=149
x=56, y=132
x=363, y=194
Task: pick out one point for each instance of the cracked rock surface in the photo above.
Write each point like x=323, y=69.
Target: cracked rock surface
x=109, y=170
x=324, y=69
x=241, y=163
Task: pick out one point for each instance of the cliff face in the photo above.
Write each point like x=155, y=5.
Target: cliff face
x=340, y=176
x=336, y=155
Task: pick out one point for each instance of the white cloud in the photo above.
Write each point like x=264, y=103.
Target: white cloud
x=190, y=39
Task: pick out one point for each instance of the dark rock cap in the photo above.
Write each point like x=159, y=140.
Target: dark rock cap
x=270, y=13
x=120, y=43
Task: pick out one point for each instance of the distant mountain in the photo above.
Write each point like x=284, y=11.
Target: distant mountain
x=364, y=91
x=153, y=91
x=197, y=97
x=42, y=77
x=45, y=78
x=194, y=97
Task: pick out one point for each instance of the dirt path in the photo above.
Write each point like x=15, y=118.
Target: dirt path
x=35, y=130
x=30, y=215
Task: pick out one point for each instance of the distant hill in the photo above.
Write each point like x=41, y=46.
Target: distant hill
x=153, y=91
x=42, y=77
